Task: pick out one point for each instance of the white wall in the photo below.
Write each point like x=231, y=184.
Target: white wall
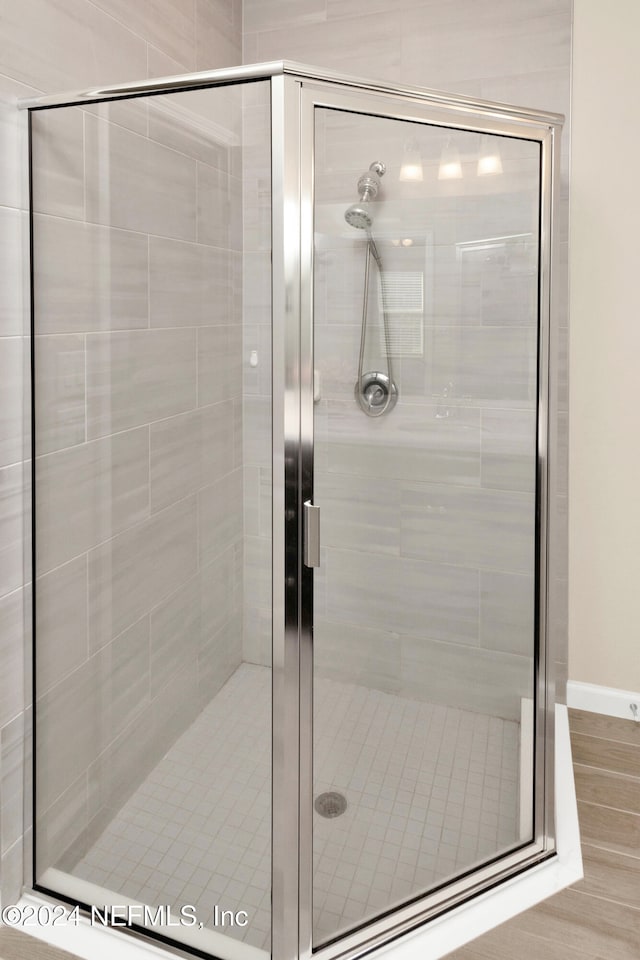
x=604, y=489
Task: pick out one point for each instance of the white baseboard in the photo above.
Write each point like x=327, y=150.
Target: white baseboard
x=607, y=700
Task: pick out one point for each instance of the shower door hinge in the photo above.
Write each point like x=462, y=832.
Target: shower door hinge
x=311, y=534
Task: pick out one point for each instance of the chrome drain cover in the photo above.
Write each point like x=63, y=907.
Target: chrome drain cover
x=330, y=804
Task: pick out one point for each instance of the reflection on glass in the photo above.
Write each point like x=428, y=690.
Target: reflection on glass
x=424, y=603
x=153, y=645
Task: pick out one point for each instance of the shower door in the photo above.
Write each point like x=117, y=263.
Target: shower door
x=422, y=422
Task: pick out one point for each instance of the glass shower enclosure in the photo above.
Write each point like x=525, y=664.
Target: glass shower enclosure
x=291, y=348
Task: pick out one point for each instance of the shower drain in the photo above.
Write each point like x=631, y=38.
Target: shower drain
x=330, y=804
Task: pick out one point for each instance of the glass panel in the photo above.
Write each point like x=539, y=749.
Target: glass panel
x=425, y=475
x=152, y=531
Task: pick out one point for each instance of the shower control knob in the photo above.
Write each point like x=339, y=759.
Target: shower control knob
x=376, y=394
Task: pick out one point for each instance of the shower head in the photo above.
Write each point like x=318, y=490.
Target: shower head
x=357, y=215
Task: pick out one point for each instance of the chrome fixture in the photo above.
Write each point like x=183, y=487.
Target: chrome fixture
x=358, y=215
x=375, y=392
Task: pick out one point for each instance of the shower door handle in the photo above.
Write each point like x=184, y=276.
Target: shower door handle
x=311, y=534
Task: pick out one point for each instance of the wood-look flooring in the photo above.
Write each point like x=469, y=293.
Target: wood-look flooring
x=596, y=919
x=599, y=917
x=15, y=945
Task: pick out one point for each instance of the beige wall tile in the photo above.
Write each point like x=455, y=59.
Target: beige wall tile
x=280, y=14
x=138, y=376
x=175, y=632
x=189, y=284
x=508, y=449
x=219, y=516
x=465, y=525
x=13, y=279
x=360, y=46
x=465, y=51
x=12, y=691
x=60, y=393
x=60, y=822
x=88, y=493
x=12, y=507
x=124, y=684
x=85, y=712
x=13, y=128
x=201, y=124
x=219, y=208
x=472, y=679
x=415, y=444
x=58, y=162
x=172, y=26
x=507, y=612
x=11, y=782
x=404, y=595
x=189, y=452
x=218, y=37
x=159, y=64
x=139, y=568
x=176, y=706
x=116, y=773
x=68, y=733
x=354, y=654
x=218, y=658
x=256, y=430
x=359, y=513
x=131, y=114
x=13, y=353
x=12, y=880
x=129, y=178
x=88, y=278
x=219, y=363
x=61, y=622
x=53, y=46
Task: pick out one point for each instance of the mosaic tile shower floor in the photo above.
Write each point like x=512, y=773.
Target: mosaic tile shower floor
x=430, y=790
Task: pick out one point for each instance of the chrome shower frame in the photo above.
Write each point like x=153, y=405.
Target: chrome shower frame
x=296, y=92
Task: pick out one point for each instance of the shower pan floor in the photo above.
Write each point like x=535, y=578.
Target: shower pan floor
x=430, y=790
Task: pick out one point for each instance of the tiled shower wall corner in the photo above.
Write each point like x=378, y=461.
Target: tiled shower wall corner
x=517, y=53
x=50, y=47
